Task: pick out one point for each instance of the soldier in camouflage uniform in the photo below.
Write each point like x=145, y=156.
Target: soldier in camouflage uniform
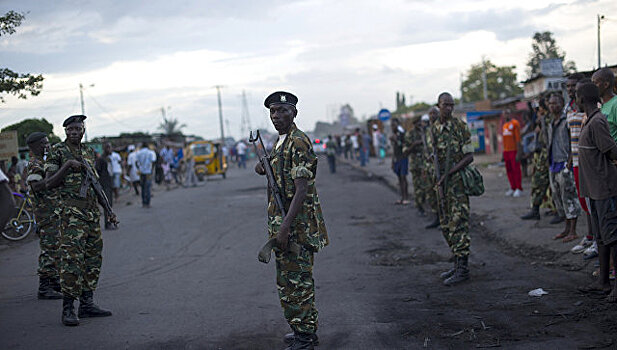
x=450, y=140
x=81, y=243
x=429, y=173
x=295, y=165
x=413, y=146
x=540, y=177
x=47, y=210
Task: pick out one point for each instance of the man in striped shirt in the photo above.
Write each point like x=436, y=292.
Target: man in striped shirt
x=575, y=121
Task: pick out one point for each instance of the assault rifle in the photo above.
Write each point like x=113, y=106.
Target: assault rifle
x=92, y=180
x=273, y=189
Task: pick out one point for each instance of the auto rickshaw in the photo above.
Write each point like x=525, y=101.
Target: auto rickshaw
x=209, y=159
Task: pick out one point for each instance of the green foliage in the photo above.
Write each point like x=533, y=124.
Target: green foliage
x=544, y=46
x=28, y=126
x=402, y=107
x=171, y=127
x=10, y=21
x=501, y=82
x=11, y=82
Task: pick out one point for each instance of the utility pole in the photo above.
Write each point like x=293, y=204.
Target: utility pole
x=218, y=94
x=245, y=118
x=484, y=87
x=600, y=18
x=83, y=108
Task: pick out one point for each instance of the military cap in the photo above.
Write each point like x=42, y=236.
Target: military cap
x=35, y=136
x=73, y=119
x=281, y=97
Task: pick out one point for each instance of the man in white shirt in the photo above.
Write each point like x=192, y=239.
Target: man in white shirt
x=145, y=161
x=241, y=149
x=116, y=169
x=131, y=163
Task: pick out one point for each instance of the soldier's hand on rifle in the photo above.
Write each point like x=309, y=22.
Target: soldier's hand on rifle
x=73, y=164
x=259, y=169
x=282, y=238
x=113, y=219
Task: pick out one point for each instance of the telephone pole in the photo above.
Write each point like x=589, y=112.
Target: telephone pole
x=83, y=108
x=218, y=94
x=245, y=118
x=600, y=18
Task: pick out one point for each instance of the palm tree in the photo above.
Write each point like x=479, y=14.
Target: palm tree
x=171, y=126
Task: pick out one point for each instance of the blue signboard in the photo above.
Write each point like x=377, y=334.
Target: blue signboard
x=476, y=127
x=384, y=115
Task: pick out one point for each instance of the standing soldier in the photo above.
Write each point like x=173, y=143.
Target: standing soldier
x=81, y=243
x=429, y=172
x=540, y=178
x=47, y=210
x=413, y=146
x=294, y=165
x=451, y=142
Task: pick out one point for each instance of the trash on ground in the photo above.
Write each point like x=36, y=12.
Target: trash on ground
x=537, y=292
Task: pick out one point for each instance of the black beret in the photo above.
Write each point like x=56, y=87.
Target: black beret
x=35, y=136
x=281, y=97
x=73, y=119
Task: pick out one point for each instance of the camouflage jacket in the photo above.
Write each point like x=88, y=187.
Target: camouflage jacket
x=455, y=135
x=83, y=208
x=415, y=151
x=292, y=160
x=46, y=202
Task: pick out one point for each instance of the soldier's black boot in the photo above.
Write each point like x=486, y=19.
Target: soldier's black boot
x=301, y=341
x=450, y=272
x=289, y=338
x=433, y=224
x=55, y=284
x=46, y=290
x=87, y=307
x=68, y=312
x=534, y=214
x=461, y=274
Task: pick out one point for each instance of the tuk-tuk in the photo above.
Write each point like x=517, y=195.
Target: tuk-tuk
x=209, y=159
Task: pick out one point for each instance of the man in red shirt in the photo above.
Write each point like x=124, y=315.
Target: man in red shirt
x=511, y=134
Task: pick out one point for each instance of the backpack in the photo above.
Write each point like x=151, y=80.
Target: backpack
x=472, y=181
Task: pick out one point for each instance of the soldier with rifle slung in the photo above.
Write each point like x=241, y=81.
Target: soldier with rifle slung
x=69, y=167
x=295, y=221
x=452, y=151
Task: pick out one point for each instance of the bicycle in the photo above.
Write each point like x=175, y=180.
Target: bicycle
x=24, y=222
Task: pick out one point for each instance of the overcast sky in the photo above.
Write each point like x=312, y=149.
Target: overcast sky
x=145, y=55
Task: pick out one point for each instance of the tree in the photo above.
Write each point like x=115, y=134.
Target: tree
x=11, y=82
x=28, y=126
x=544, y=46
x=171, y=127
x=501, y=82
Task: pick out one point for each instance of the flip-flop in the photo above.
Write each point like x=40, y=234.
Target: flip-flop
x=560, y=236
x=569, y=238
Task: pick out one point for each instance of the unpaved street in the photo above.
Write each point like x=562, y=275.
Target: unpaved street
x=184, y=275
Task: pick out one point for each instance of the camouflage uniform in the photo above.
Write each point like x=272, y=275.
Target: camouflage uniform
x=416, y=165
x=81, y=243
x=294, y=273
x=47, y=211
x=540, y=178
x=454, y=222
x=428, y=174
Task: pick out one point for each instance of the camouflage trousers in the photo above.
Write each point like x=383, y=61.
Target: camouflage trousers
x=564, y=193
x=539, y=182
x=49, y=242
x=419, y=188
x=454, y=222
x=296, y=288
x=81, y=247
x=431, y=194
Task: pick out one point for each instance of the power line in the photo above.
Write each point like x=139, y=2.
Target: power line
x=105, y=111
